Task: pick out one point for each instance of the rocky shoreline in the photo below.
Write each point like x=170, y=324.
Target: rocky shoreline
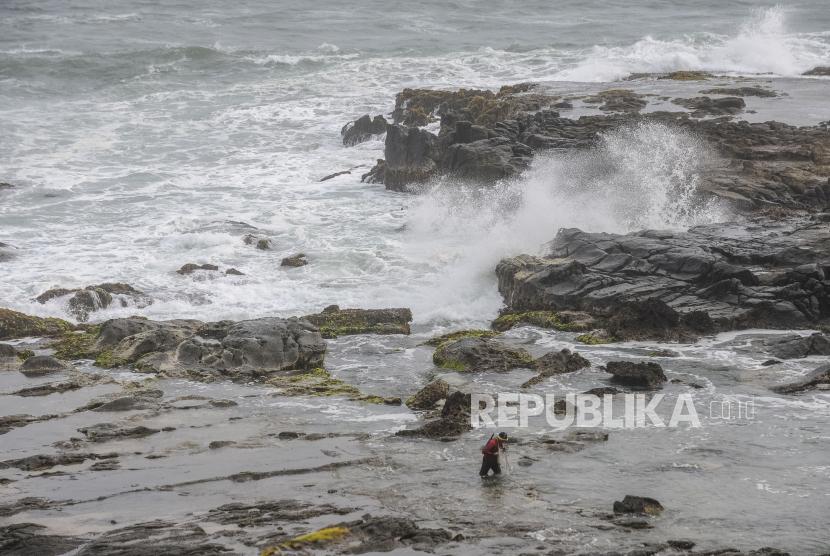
x=191, y=432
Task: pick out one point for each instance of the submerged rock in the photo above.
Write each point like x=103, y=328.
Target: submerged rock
x=452, y=336
x=429, y=395
x=481, y=355
x=103, y=432
x=741, y=92
x=638, y=504
x=334, y=322
x=706, y=106
x=295, y=261
x=189, y=268
x=797, y=347
x=87, y=301
x=646, y=374
x=41, y=365
x=234, y=272
x=819, y=378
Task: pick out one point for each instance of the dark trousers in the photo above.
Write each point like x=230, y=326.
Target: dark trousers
x=490, y=462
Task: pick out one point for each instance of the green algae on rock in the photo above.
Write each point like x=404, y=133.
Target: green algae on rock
x=334, y=322
x=19, y=325
x=481, y=355
x=318, y=382
x=566, y=321
x=452, y=336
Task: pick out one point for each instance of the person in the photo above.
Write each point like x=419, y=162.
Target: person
x=491, y=455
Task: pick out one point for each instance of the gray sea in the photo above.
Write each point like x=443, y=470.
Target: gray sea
x=143, y=135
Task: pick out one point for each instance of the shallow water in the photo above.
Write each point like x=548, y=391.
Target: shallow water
x=140, y=136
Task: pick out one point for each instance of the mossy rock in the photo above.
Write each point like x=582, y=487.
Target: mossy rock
x=481, y=355
x=19, y=325
x=318, y=383
x=592, y=340
x=687, y=76
x=566, y=321
x=333, y=322
x=76, y=345
x=452, y=336
x=25, y=354
x=615, y=92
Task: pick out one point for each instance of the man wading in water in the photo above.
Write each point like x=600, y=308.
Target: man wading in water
x=491, y=455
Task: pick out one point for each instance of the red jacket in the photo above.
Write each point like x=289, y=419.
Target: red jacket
x=490, y=449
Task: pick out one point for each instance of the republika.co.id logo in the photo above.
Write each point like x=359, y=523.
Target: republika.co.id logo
x=589, y=410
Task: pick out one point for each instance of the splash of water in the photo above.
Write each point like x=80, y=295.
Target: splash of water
x=638, y=177
x=762, y=44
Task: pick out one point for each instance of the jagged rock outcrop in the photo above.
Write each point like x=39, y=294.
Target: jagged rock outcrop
x=673, y=286
x=362, y=129
x=412, y=156
x=485, y=137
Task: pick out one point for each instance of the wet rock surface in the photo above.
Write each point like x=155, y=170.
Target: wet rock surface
x=555, y=363
x=237, y=351
x=796, y=347
x=481, y=355
x=817, y=379
x=429, y=395
x=333, y=321
x=42, y=365
x=763, y=167
x=645, y=374
x=676, y=286
x=363, y=129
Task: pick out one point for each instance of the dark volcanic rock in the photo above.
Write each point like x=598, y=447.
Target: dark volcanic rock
x=485, y=160
x=819, y=378
x=377, y=174
x=245, y=350
x=702, y=281
x=87, y=301
x=481, y=355
x=334, y=322
x=796, y=347
x=103, y=432
x=455, y=419
x=427, y=396
x=24, y=539
x=818, y=70
x=362, y=129
x=638, y=504
x=41, y=365
x=741, y=92
x=46, y=461
x=295, y=261
x=555, y=363
x=412, y=156
x=189, y=268
x=705, y=106
x=7, y=350
x=648, y=374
